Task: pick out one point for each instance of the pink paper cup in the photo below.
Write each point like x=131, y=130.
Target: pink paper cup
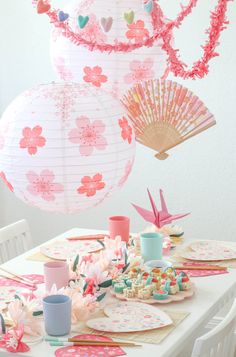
x=119, y=226
x=56, y=273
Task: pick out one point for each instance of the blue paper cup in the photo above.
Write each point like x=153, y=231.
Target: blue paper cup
x=151, y=246
x=57, y=315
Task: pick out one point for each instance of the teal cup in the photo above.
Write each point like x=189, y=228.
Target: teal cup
x=151, y=246
x=57, y=315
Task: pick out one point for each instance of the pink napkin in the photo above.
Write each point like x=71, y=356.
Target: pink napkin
x=199, y=273
x=36, y=278
x=90, y=351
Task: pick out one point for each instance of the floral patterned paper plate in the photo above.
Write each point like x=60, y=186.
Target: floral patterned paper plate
x=133, y=323
x=209, y=254
x=64, y=250
x=214, y=245
x=132, y=308
x=181, y=295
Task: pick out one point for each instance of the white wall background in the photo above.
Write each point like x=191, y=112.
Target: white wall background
x=199, y=176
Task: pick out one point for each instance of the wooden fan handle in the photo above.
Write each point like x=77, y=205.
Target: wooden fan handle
x=161, y=156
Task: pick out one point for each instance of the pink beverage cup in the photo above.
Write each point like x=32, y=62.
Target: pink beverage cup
x=56, y=273
x=119, y=226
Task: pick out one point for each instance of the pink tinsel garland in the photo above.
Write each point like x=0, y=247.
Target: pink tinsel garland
x=162, y=30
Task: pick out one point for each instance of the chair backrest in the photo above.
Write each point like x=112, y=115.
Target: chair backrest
x=219, y=342
x=15, y=239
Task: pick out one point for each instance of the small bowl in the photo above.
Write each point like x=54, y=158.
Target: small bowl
x=160, y=295
x=163, y=264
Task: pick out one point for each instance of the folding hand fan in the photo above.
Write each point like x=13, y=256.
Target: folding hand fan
x=164, y=114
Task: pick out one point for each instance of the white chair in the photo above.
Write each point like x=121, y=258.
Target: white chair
x=15, y=239
x=219, y=342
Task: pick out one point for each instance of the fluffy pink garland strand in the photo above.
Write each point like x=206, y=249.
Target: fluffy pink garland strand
x=156, y=14
x=201, y=67
x=163, y=30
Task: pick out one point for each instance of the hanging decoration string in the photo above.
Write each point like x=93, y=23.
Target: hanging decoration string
x=78, y=39
x=162, y=30
x=201, y=67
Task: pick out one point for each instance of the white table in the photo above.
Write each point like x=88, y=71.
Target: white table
x=212, y=293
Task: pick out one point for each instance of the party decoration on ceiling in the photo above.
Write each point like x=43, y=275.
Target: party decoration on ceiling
x=112, y=55
x=165, y=114
x=158, y=218
x=140, y=35
x=65, y=147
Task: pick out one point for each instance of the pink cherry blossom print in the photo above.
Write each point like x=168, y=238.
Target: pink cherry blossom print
x=64, y=72
x=126, y=130
x=43, y=185
x=93, y=32
x=9, y=185
x=32, y=139
x=90, y=185
x=140, y=71
x=137, y=32
x=90, y=351
x=88, y=135
x=128, y=168
x=94, y=76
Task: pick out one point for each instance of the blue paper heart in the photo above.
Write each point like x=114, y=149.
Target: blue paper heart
x=63, y=16
x=149, y=6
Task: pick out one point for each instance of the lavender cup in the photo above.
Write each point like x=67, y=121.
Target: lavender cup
x=57, y=315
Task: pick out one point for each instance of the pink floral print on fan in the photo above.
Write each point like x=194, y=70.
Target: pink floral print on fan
x=32, y=139
x=94, y=76
x=137, y=32
x=88, y=135
x=9, y=185
x=126, y=130
x=90, y=185
x=140, y=71
x=43, y=185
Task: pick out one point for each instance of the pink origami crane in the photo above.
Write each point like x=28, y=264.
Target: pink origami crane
x=159, y=218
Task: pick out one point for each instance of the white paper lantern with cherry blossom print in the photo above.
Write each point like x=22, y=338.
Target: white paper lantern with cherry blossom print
x=109, y=60
x=65, y=147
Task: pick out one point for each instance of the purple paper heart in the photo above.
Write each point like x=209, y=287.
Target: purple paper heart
x=63, y=16
x=107, y=23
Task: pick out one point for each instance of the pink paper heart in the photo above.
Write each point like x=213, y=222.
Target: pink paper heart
x=42, y=7
x=90, y=351
x=106, y=23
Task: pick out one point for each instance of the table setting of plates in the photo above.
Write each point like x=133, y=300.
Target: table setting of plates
x=208, y=251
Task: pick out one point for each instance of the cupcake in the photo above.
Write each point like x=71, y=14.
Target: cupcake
x=170, y=286
x=144, y=294
x=129, y=293
x=160, y=295
x=183, y=281
x=119, y=288
x=137, y=286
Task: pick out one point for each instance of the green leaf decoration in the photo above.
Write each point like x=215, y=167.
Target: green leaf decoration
x=85, y=287
x=37, y=313
x=129, y=17
x=75, y=263
x=105, y=284
x=100, y=297
x=126, y=257
x=102, y=244
x=125, y=267
x=17, y=297
x=3, y=325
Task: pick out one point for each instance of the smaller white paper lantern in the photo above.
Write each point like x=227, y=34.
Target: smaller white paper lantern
x=115, y=55
x=65, y=147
